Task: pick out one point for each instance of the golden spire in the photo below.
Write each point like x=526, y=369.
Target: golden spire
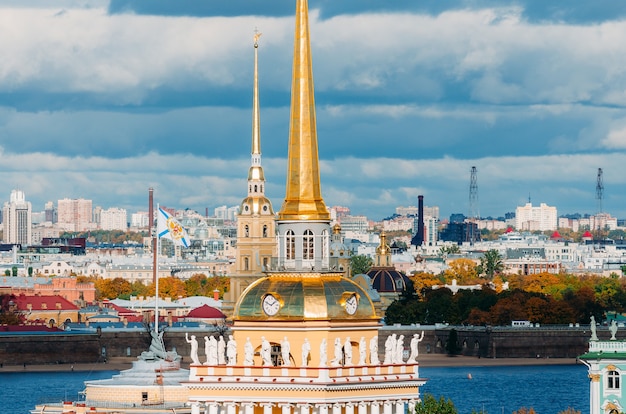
x=256, y=171
x=256, y=117
x=303, y=199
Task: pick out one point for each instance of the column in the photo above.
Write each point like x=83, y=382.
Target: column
x=212, y=408
x=337, y=408
x=387, y=405
x=375, y=407
x=400, y=407
x=412, y=406
x=267, y=408
x=349, y=408
x=248, y=408
x=594, y=396
x=362, y=407
x=303, y=408
x=320, y=409
x=231, y=407
x=286, y=408
x=195, y=408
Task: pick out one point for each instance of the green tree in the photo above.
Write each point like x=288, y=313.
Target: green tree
x=430, y=405
x=14, y=271
x=491, y=264
x=360, y=263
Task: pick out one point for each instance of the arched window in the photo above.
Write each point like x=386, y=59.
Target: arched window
x=308, y=245
x=265, y=230
x=246, y=263
x=246, y=231
x=613, y=380
x=325, y=244
x=290, y=245
x=255, y=188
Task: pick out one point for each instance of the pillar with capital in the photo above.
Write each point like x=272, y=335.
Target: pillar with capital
x=303, y=408
x=594, y=396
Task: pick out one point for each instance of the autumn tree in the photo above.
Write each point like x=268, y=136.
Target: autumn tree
x=9, y=314
x=463, y=270
x=112, y=288
x=424, y=282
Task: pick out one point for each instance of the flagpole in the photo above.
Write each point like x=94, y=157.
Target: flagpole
x=156, y=283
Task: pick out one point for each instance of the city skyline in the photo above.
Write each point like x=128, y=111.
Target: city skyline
x=106, y=100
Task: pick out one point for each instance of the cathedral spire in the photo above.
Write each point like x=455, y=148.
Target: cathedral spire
x=303, y=199
x=256, y=177
x=256, y=112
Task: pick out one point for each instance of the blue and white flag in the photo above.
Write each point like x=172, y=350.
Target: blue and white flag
x=169, y=228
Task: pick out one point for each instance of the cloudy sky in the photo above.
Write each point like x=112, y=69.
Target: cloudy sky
x=104, y=99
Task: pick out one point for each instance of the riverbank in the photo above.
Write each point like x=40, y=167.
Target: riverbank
x=425, y=360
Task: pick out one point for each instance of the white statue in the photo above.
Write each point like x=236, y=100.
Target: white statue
x=347, y=352
x=613, y=329
x=323, y=355
x=248, y=350
x=362, y=351
x=400, y=350
x=414, y=347
x=231, y=351
x=390, y=349
x=306, y=351
x=266, y=352
x=594, y=335
x=338, y=354
x=212, y=350
x=194, y=348
x=374, y=351
x=285, y=349
x=221, y=351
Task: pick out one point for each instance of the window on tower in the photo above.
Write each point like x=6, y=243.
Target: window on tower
x=290, y=245
x=308, y=249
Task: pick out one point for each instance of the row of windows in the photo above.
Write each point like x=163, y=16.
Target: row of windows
x=308, y=245
x=246, y=230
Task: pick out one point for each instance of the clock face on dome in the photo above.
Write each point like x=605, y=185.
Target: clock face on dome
x=271, y=305
x=351, y=304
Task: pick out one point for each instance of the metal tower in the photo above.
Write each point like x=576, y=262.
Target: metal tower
x=599, y=192
x=472, y=233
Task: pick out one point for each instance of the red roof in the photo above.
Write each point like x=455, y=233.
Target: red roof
x=206, y=312
x=509, y=230
x=588, y=235
x=43, y=302
x=555, y=235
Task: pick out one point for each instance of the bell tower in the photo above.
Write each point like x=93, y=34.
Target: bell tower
x=256, y=228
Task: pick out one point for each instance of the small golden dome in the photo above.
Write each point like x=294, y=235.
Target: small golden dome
x=305, y=297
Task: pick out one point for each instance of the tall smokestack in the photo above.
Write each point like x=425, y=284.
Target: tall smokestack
x=418, y=238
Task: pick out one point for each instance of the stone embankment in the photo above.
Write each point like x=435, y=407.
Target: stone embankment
x=476, y=346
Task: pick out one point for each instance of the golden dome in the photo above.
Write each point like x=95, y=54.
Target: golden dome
x=256, y=205
x=304, y=297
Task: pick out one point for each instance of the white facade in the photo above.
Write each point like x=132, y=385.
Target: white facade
x=114, y=219
x=17, y=219
x=540, y=218
x=139, y=219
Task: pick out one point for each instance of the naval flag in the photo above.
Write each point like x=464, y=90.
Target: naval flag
x=169, y=228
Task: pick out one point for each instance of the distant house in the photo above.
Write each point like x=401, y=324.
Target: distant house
x=51, y=310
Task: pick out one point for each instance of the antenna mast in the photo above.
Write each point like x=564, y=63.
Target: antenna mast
x=599, y=191
x=472, y=224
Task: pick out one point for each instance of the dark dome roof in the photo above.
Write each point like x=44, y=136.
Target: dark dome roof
x=385, y=279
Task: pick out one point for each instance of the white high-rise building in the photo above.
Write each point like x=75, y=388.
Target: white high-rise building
x=17, y=219
x=114, y=219
x=139, y=219
x=540, y=218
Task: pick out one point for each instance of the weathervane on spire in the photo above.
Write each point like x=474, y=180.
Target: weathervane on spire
x=257, y=34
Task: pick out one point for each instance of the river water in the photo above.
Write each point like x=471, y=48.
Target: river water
x=492, y=390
